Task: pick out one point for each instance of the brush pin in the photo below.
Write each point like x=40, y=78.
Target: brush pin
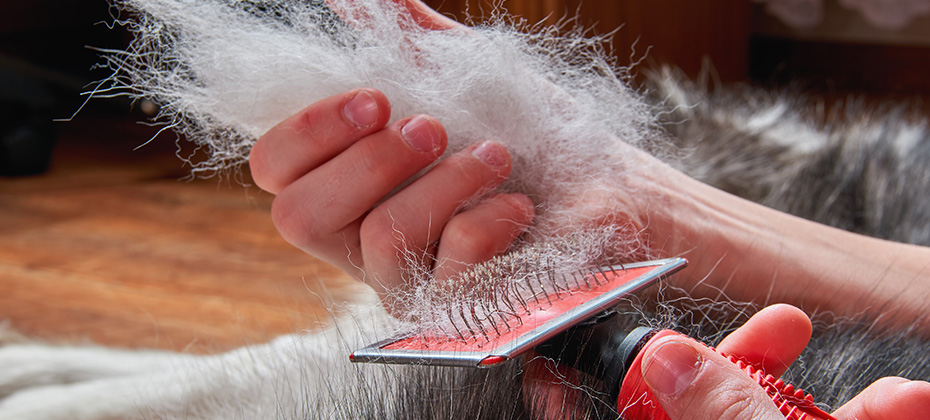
x=504, y=320
x=542, y=287
x=467, y=324
x=493, y=317
x=509, y=305
x=490, y=319
x=480, y=325
x=565, y=280
x=601, y=270
x=457, y=330
x=533, y=293
x=585, y=278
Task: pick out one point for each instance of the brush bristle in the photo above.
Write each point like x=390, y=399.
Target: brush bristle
x=501, y=290
x=497, y=327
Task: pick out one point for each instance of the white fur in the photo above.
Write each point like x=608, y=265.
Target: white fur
x=292, y=376
x=224, y=77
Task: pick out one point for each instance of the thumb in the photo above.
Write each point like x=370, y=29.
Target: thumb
x=691, y=381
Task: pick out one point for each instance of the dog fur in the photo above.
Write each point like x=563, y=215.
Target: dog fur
x=865, y=167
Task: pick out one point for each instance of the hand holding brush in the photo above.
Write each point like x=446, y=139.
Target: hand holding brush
x=339, y=179
x=676, y=377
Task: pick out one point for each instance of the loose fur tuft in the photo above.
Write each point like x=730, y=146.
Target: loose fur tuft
x=225, y=71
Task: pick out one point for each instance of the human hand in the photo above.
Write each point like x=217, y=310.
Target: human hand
x=691, y=381
x=346, y=193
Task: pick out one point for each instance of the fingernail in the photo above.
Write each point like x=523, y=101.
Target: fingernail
x=422, y=134
x=520, y=200
x=492, y=154
x=361, y=110
x=672, y=368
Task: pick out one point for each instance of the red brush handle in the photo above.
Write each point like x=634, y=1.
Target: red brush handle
x=636, y=401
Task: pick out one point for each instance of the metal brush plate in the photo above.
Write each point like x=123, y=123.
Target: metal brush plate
x=545, y=321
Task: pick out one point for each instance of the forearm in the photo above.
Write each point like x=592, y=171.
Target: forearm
x=764, y=255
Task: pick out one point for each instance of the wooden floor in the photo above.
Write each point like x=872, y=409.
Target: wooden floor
x=111, y=246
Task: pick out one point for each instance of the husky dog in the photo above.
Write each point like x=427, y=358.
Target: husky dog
x=863, y=172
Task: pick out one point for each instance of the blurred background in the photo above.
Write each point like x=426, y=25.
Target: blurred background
x=101, y=241
x=48, y=49
x=817, y=45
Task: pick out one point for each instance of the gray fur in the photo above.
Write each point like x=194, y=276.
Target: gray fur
x=275, y=380
x=864, y=172
x=858, y=169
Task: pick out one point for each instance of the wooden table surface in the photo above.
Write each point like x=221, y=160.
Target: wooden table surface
x=111, y=246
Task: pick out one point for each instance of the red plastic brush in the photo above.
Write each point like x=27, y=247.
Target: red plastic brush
x=568, y=319
x=484, y=338
x=602, y=348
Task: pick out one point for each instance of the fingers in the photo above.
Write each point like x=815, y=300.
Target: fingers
x=319, y=212
x=888, y=399
x=426, y=17
x=692, y=381
x=315, y=135
x=333, y=164
x=771, y=340
x=413, y=219
x=422, y=14
x=482, y=232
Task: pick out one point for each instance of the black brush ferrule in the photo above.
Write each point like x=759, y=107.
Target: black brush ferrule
x=599, y=347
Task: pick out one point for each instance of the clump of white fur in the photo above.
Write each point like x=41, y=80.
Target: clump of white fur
x=225, y=72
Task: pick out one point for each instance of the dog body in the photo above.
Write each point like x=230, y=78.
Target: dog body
x=864, y=172
x=309, y=376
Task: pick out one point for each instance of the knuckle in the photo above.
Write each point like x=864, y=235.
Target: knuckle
x=379, y=236
x=739, y=403
x=306, y=126
x=369, y=163
x=519, y=210
x=468, y=239
x=294, y=226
